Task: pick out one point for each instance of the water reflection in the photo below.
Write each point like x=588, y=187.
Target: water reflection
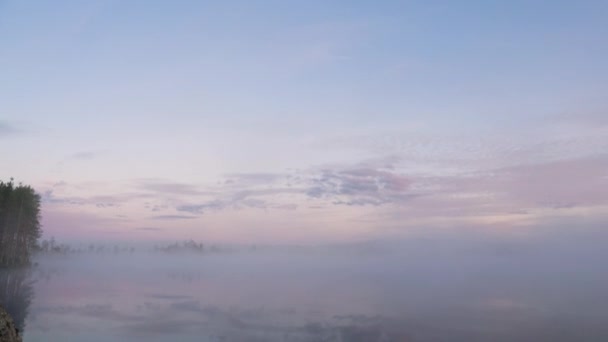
x=429, y=292
x=16, y=293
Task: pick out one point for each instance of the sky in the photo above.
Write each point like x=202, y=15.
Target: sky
x=308, y=121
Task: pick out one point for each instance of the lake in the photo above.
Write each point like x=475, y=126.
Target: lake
x=420, y=291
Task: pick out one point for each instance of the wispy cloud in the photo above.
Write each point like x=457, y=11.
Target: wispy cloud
x=199, y=208
x=85, y=155
x=149, y=229
x=523, y=193
x=253, y=178
x=260, y=199
x=371, y=182
x=7, y=129
x=160, y=186
x=361, y=186
x=434, y=148
x=519, y=190
x=99, y=201
x=173, y=217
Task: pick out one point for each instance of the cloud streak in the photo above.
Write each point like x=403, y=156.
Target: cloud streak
x=8, y=129
x=361, y=186
x=163, y=187
x=172, y=217
x=85, y=155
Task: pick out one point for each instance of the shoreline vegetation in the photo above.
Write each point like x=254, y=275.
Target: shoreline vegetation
x=8, y=330
x=19, y=224
x=19, y=234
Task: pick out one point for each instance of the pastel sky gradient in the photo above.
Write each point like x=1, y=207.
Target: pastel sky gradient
x=299, y=121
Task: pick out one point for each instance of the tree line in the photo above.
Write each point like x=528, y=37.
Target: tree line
x=19, y=223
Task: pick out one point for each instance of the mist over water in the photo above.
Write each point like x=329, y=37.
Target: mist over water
x=420, y=289
x=417, y=170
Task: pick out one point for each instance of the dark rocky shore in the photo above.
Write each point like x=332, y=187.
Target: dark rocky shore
x=8, y=332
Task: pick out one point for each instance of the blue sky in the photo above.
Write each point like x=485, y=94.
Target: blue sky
x=299, y=121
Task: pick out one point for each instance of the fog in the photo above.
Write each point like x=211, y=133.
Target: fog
x=449, y=287
x=312, y=170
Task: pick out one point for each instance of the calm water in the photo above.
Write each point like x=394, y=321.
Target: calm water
x=420, y=292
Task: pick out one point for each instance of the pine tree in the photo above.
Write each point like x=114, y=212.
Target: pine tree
x=19, y=223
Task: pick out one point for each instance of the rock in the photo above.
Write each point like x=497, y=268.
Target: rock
x=8, y=332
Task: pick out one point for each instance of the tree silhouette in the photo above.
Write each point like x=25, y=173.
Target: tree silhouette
x=19, y=223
